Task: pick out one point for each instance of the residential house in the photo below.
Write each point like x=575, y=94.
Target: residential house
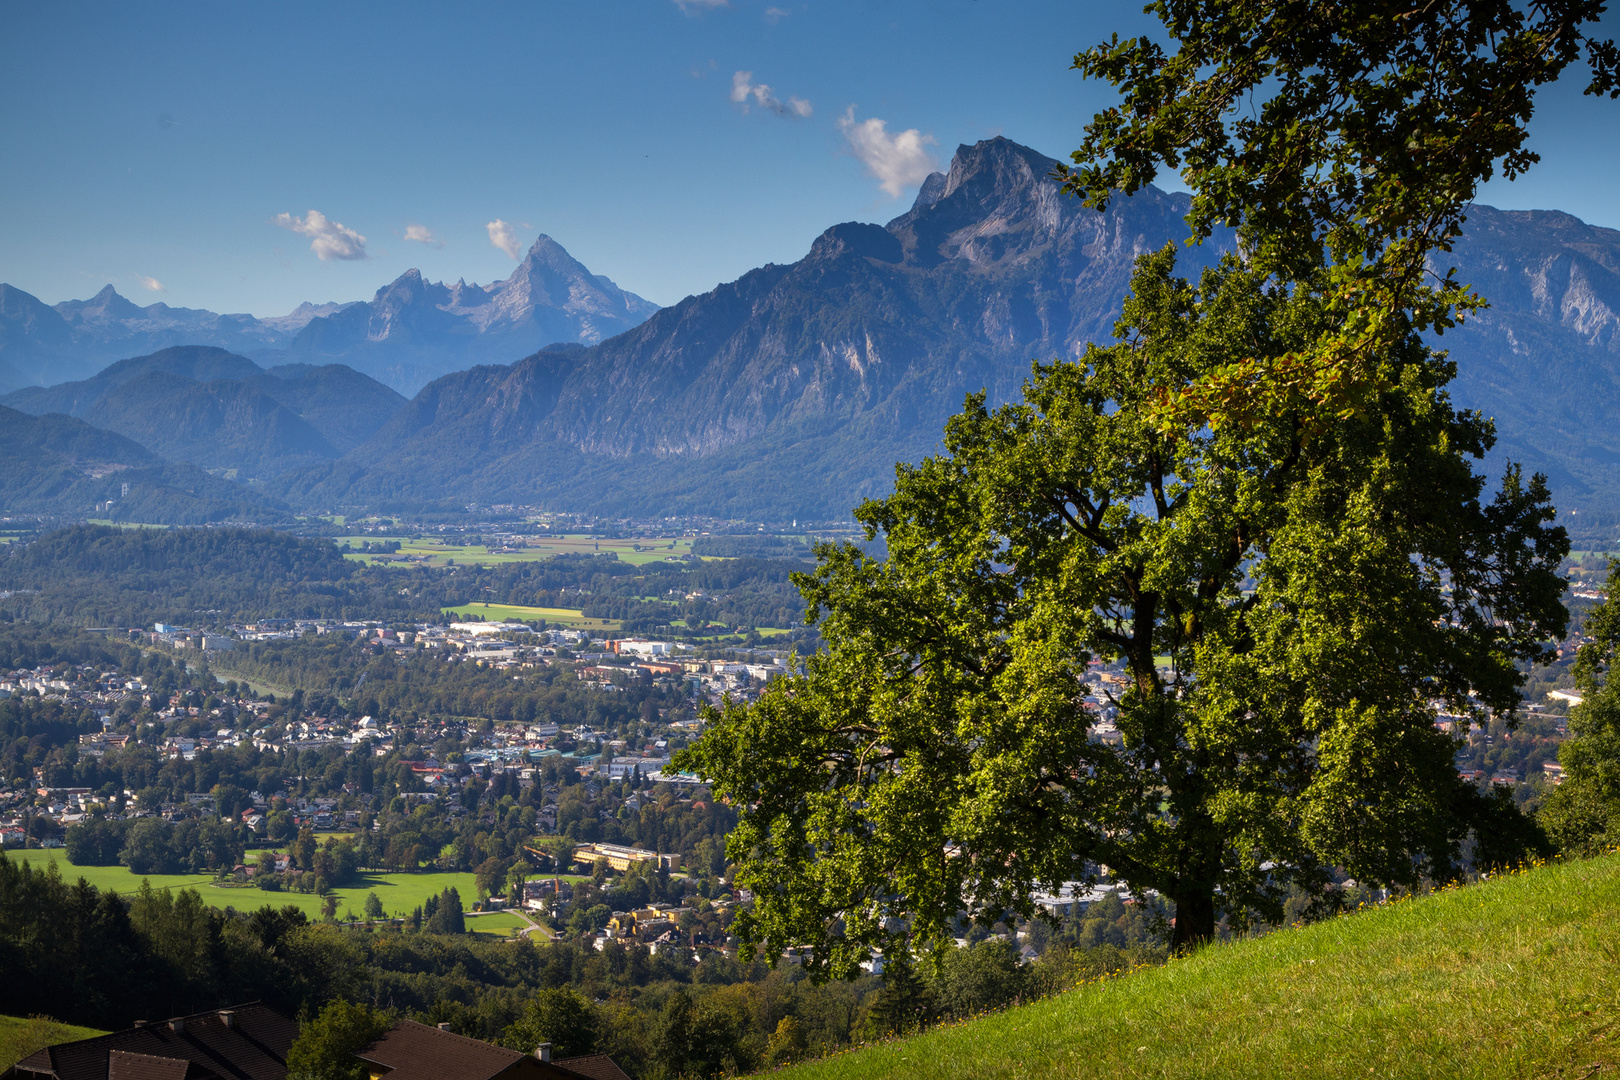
x=245, y=1042
x=412, y=1051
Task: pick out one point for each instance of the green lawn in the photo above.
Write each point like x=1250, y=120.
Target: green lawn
x=21, y=1036
x=399, y=893
x=1518, y=977
x=569, y=618
x=496, y=924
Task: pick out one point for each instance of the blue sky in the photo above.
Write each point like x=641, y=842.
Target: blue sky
x=184, y=146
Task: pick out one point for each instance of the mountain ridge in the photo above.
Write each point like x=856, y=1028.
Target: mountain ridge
x=222, y=411
x=549, y=297
x=792, y=391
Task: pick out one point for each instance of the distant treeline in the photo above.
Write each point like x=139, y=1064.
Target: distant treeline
x=89, y=575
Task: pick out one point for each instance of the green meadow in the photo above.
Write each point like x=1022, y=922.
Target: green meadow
x=399, y=893
x=23, y=1035
x=1516, y=977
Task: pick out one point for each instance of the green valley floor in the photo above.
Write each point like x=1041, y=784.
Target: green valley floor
x=1515, y=977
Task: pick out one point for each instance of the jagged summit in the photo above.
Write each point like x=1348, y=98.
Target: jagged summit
x=414, y=329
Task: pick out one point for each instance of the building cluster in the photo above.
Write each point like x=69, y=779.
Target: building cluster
x=252, y=1041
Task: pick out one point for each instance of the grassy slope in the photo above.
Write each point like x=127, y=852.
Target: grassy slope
x=1517, y=977
x=20, y=1037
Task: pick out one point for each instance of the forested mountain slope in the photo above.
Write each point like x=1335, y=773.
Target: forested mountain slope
x=60, y=465
x=223, y=412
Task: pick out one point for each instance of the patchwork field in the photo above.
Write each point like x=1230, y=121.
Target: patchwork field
x=439, y=553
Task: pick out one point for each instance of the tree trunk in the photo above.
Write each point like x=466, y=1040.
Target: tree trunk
x=1195, y=920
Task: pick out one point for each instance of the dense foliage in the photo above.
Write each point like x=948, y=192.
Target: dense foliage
x=101, y=576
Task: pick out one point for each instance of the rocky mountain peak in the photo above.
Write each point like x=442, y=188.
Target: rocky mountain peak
x=106, y=306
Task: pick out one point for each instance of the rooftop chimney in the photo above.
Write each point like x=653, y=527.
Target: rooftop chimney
x=227, y=1017
x=177, y=1025
x=444, y=1026
x=543, y=1051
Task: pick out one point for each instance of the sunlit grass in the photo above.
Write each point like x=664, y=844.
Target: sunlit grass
x=1516, y=977
x=21, y=1036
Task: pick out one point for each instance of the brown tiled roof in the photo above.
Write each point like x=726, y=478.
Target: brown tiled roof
x=412, y=1051
x=593, y=1067
x=125, y=1065
x=253, y=1048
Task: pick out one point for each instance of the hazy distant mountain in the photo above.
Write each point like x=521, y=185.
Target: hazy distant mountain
x=415, y=330
x=410, y=332
x=793, y=390
x=223, y=412
x=42, y=345
x=63, y=466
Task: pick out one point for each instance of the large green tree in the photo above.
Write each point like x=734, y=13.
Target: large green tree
x=1344, y=141
x=1292, y=600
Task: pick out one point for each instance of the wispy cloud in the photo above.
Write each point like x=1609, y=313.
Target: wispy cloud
x=744, y=89
x=698, y=7
x=774, y=15
x=501, y=236
x=328, y=239
x=421, y=234
x=151, y=284
x=896, y=161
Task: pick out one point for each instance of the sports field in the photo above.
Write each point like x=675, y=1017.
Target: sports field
x=568, y=618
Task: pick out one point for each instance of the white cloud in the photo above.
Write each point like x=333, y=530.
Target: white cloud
x=896, y=161
x=501, y=235
x=151, y=284
x=698, y=7
x=327, y=239
x=422, y=235
x=743, y=88
x=774, y=15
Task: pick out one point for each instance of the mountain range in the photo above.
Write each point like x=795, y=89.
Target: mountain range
x=792, y=391
x=411, y=331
